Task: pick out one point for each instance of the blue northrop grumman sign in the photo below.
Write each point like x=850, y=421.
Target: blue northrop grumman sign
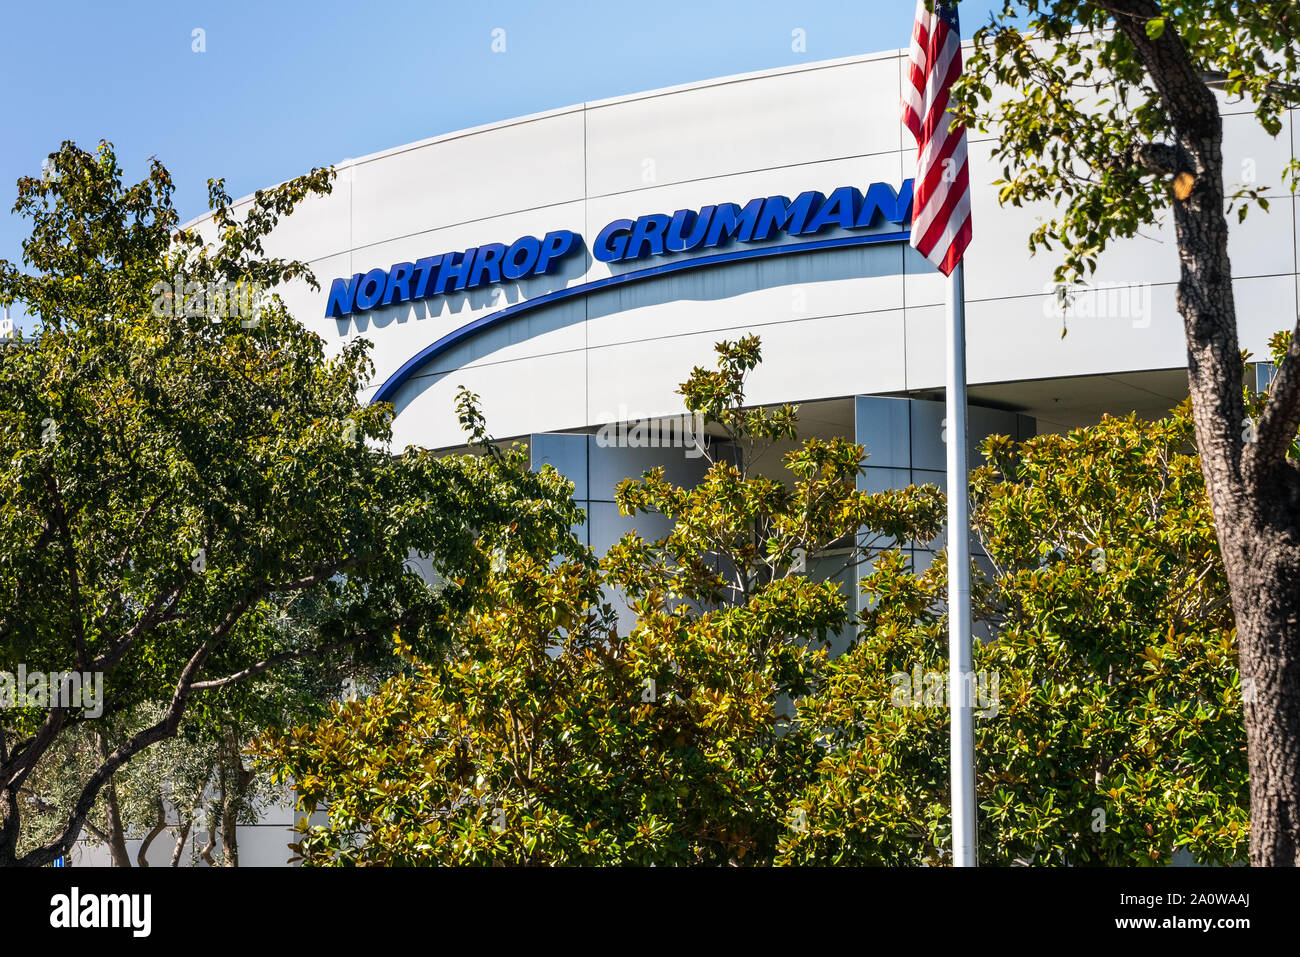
x=625, y=240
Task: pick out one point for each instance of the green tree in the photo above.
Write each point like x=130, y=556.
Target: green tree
x=549, y=737
x=1107, y=109
x=1108, y=721
x=180, y=461
x=190, y=773
x=201, y=777
x=717, y=730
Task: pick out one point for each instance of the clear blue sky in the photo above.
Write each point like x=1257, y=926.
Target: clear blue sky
x=285, y=85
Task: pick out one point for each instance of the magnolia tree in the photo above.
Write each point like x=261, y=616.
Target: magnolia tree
x=1107, y=109
x=1108, y=707
x=547, y=736
x=176, y=473
x=718, y=730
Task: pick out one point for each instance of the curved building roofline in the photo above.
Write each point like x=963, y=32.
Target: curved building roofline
x=354, y=161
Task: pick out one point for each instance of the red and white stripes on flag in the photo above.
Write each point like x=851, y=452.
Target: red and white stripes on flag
x=941, y=228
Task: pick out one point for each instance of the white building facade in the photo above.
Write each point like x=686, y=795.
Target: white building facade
x=860, y=314
x=571, y=267
x=557, y=265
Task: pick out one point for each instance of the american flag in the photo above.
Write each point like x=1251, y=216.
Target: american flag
x=941, y=228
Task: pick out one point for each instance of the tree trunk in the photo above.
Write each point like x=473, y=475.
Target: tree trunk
x=113, y=824
x=1254, y=489
x=229, y=834
x=235, y=782
x=1255, y=516
x=182, y=834
x=206, y=852
x=1266, y=597
x=160, y=823
x=185, y=822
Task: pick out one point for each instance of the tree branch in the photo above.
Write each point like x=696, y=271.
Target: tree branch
x=19, y=764
x=96, y=832
x=298, y=653
x=160, y=824
x=59, y=516
x=1139, y=10
x=159, y=609
x=164, y=728
x=1281, y=419
x=23, y=761
x=1163, y=159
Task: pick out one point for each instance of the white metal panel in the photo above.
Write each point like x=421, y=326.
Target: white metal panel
x=1253, y=158
x=805, y=115
x=1262, y=244
x=753, y=294
x=524, y=165
x=802, y=360
x=1265, y=305
x=320, y=226
x=518, y=397
x=831, y=321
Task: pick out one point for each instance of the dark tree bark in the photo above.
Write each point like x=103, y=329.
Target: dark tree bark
x=1254, y=488
x=113, y=832
x=206, y=852
x=185, y=823
x=235, y=782
x=182, y=835
x=19, y=759
x=160, y=824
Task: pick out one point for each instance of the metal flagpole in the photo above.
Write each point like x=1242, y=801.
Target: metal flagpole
x=941, y=232
x=961, y=703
